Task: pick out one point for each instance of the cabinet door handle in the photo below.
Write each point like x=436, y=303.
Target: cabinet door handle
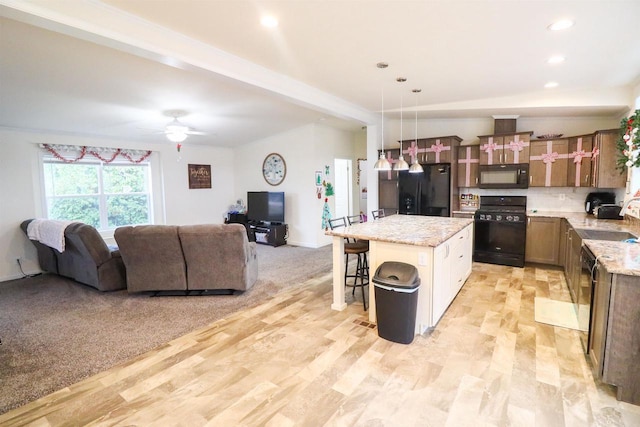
x=500, y=157
x=530, y=179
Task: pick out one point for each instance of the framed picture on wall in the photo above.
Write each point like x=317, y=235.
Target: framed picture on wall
x=199, y=176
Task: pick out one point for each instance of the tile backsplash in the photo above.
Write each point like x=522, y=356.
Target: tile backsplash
x=561, y=199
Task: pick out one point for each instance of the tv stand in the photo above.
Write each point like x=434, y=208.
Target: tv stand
x=270, y=234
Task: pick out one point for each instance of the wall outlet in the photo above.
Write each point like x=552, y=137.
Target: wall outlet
x=561, y=196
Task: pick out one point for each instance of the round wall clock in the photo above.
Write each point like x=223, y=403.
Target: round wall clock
x=274, y=169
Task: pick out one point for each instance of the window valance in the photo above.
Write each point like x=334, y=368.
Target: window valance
x=75, y=153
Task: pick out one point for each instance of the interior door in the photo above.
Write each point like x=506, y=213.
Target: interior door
x=343, y=187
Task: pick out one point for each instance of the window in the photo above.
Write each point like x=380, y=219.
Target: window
x=104, y=195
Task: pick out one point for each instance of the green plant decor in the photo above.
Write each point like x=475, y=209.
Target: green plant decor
x=627, y=143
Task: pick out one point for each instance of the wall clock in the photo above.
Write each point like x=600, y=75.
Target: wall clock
x=274, y=169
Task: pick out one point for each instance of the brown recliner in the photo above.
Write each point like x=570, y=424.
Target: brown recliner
x=218, y=257
x=153, y=258
x=86, y=259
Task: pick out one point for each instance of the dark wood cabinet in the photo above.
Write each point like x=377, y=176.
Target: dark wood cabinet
x=543, y=240
x=615, y=333
x=441, y=149
x=468, y=161
x=548, y=163
x=579, y=167
x=505, y=149
x=604, y=161
x=388, y=184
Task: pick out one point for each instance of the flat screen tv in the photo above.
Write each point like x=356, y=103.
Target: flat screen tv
x=265, y=207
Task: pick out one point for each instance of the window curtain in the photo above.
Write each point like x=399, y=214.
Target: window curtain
x=75, y=153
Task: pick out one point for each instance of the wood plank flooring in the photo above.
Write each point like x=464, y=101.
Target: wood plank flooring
x=292, y=361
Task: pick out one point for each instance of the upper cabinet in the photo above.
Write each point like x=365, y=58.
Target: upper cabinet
x=468, y=160
x=431, y=150
x=579, y=168
x=605, y=173
x=505, y=149
x=548, y=163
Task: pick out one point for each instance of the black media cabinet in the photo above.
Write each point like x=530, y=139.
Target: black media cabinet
x=274, y=235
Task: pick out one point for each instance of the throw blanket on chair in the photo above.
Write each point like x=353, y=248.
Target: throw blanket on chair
x=49, y=232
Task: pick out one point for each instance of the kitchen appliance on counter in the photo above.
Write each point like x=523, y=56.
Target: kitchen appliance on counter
x=503, y=176
x=596, y=199
x=500, y=230
x=607, y=212
x=427, y=193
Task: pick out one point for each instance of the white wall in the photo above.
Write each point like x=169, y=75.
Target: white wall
x=21, y=195
x=305, y=150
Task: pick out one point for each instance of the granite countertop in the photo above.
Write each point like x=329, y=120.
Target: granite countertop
x=617, y=257
x=405, y=229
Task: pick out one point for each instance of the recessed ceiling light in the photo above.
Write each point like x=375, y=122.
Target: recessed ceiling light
x=551, y=85
x=563, y=24
x=556, y=59
x=269, y=21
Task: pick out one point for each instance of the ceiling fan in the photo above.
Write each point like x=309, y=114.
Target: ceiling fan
x=175, y=131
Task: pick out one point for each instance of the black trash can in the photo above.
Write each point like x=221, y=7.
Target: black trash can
x=396, y=291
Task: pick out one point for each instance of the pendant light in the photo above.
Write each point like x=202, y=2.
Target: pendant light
x=415, y=166
x=401, y=164
x=382, y=164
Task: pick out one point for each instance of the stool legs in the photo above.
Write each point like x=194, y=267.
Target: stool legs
x=361, y=273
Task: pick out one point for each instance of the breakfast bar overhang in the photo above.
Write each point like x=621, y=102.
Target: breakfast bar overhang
x=439, y=247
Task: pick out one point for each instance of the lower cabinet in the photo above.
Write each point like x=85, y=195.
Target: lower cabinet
x=451, y=267
x=543, y=240
x=615, y=333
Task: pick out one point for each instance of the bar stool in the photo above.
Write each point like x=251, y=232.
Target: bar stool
x=377, y=213
x=360, y=249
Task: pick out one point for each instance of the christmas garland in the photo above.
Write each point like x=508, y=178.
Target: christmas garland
x=127, y=154
x=628, y=143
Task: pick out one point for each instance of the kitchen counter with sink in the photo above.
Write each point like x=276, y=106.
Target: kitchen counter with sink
x=606, y=239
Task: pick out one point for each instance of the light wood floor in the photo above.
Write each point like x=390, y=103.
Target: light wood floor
x=294, y=361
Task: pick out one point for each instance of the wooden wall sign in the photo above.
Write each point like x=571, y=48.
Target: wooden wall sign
x=199, y=176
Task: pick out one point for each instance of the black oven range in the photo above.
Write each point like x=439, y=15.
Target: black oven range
x=500, y=230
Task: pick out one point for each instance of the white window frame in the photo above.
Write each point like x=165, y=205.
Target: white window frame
x=102, y=197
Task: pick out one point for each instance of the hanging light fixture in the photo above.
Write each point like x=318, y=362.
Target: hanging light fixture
x=401, y=164
x=176, y=131
x=415, y=166
x=382, y=164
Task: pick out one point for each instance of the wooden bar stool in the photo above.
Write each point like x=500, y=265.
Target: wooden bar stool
x=360, y=249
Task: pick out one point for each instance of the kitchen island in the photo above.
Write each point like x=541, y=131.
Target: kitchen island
x=439, y=247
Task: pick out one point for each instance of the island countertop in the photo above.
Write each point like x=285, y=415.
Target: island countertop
x=405, y=229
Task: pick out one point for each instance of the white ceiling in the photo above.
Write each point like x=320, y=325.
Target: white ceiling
x=115, y=68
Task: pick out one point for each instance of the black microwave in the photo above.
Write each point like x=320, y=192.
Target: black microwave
x=504, y=176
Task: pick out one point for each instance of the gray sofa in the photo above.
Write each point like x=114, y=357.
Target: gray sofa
x=86, y=259
x=188, y=257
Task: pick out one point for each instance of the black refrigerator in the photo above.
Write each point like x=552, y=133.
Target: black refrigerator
x=426, y=193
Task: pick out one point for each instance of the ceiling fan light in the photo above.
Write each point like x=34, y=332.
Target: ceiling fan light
x=173, y=128
x=176, y=136
x=382, y=164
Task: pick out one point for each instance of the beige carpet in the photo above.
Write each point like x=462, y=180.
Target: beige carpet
x=557, y=313
x=56, y=332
